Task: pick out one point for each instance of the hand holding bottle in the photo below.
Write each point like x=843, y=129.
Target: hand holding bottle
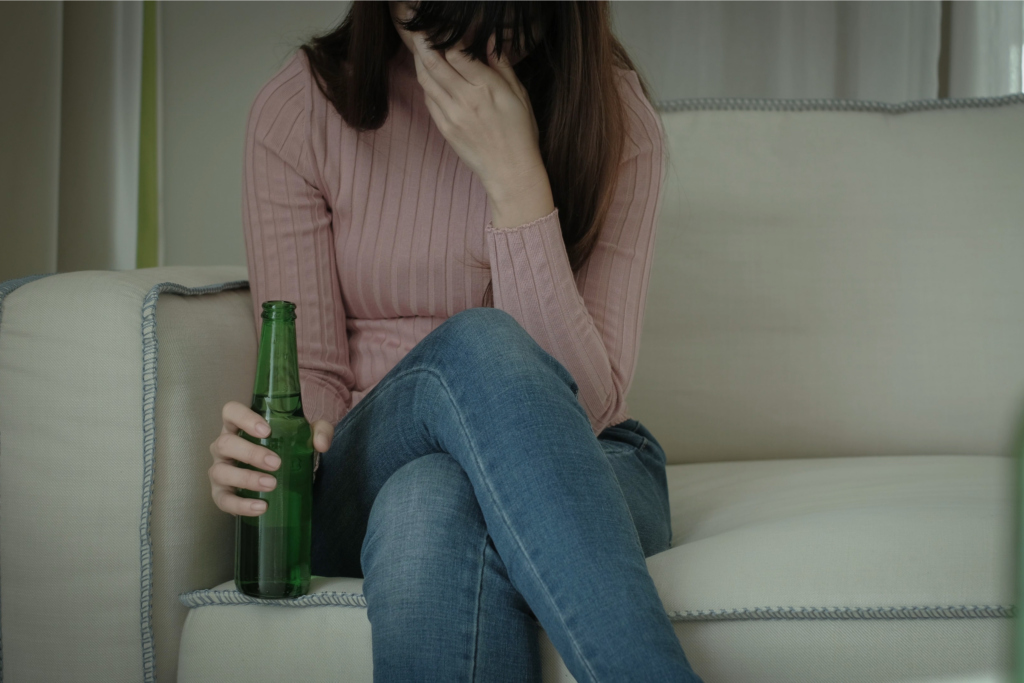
x=230, y=447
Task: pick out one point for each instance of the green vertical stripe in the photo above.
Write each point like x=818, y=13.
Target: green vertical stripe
x=147, y=255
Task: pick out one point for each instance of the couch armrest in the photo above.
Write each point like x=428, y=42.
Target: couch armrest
x=111, y=389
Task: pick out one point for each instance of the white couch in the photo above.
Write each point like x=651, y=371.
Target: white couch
x=832, y=357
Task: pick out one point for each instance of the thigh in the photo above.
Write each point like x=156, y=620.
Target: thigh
x=639, y=464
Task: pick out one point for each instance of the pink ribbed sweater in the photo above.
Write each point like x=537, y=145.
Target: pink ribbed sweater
x=373, y=235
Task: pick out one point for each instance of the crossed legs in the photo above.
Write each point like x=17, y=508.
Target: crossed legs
x=436, y=589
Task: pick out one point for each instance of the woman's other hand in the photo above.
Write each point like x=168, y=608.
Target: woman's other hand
x=323, y=435
x=484, y=113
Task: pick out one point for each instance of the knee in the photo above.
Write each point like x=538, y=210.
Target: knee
x=480, y=330
x=488, y=342
x=421, y=516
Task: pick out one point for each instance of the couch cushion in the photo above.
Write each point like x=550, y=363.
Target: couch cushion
x=798, y=570
x=836, y=278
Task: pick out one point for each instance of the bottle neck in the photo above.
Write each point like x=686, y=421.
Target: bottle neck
x=277, y=371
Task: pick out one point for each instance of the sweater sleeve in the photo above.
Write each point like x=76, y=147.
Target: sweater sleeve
x=289, y=240
x=591, y=323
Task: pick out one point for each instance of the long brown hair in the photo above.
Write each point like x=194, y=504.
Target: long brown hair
x=569, y=75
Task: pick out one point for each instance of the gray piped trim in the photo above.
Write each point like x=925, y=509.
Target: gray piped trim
x=6, y=288
x=762, y=104
x=206, y=598
x=10, y=285
x=150, y=348
x=847, y=613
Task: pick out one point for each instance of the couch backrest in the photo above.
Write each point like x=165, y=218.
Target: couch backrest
x=837, y=278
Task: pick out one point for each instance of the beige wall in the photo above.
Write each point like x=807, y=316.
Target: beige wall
x=216, y=56
x=30, y=55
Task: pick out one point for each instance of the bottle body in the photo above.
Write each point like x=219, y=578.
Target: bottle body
x=272, y=550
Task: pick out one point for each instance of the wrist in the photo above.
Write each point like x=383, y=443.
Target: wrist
x=516, y=210
x=514, y=179
x=521, y=200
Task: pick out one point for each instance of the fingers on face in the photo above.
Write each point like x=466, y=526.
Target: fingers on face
x=423, y=52
x=427, y=80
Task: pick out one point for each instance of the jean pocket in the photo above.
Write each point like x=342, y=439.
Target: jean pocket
x=630, y=424
x=625, y=433
x=642, y=480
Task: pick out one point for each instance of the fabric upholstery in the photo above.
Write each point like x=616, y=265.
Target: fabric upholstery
x=833, y=282
x=106, y=507
x=794, y=570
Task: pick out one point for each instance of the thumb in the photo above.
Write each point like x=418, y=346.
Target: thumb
x=323, y=434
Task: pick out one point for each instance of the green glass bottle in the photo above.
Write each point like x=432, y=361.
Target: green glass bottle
x=272, y=550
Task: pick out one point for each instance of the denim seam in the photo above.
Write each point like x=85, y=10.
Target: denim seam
x=476, y=461
x=479, y=602
x=6, y=288
x=235, y=598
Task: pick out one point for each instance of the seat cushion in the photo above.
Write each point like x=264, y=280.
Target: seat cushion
x=830, y=569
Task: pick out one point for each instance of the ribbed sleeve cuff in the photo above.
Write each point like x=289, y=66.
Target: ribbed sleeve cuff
x=543, y=220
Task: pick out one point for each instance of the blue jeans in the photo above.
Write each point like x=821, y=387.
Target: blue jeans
x=469, y=492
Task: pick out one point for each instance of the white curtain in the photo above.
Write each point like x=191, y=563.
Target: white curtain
x=880, y=51
x=885, y=51
x=985, y=48
x=70, y=74
x=99, y=136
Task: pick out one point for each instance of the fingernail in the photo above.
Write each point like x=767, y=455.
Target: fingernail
x=258, y=506
x=262, y=429
x=273, y=462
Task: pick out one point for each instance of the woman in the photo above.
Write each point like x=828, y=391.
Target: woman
x=467, y=231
